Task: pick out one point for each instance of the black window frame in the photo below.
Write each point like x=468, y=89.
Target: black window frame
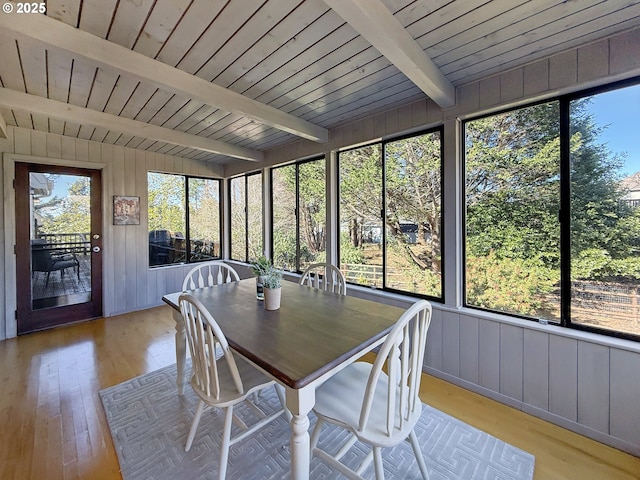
x=383, y=143
x=187, y=234
x=564, y=215
x=297, y=165
x=246, y=214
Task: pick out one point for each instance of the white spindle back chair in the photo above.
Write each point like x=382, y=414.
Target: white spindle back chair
x=221, y=382
x=209, y=274
x=325, y=277
x=390, y=407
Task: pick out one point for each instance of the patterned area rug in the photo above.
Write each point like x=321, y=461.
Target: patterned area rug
x=149, y=423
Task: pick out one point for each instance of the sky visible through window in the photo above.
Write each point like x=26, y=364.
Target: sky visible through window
x=619, y=110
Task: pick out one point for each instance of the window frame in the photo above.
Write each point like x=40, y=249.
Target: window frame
x=187, y=234
x=297, y=165
x=246, y=213
x=564, y=215
x=383, y=217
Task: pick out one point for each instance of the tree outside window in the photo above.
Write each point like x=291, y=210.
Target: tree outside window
x=299, y=214
x=578, y=265
x=605, y=213
x=245, y=195
x=390, y=214
x=513, y=199
x=184, y=219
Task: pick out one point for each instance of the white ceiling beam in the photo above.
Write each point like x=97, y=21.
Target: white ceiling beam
x=149, y=71
x=3, y=127
x=373, y=21
x=84, y=116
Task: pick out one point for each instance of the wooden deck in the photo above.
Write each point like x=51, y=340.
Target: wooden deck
x=68, y=285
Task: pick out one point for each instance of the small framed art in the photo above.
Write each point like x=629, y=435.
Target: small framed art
x=126, y=210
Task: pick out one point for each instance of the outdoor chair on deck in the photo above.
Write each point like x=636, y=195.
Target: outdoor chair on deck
x=223, y=382
x=378, y=408
x=43, y=259
x=325, y=277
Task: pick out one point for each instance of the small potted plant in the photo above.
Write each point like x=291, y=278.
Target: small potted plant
x=260, y=267
x=272, y=282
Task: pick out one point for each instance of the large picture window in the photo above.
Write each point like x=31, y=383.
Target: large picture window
x=298, y=202
x=552, y=219
x=513, y=200
x=604, y=159
x=245, y=199
x=390, y=214
x=184, y=219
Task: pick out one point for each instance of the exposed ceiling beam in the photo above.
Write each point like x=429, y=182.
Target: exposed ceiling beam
x=372, y=20
x=3, y=127
x=84, y=116
x=147, y=70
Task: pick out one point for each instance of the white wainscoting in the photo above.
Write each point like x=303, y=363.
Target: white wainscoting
x=590, y=385
x=584, y=382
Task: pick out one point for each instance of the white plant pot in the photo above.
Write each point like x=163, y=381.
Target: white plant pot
x=272, y=298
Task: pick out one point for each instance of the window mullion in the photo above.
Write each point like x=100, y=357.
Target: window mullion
x=187, y=234
x=564, y=215
x=383, y=213
x=297, y=215
x=246, y=218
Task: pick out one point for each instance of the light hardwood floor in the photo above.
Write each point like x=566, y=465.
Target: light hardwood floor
x=53, y=424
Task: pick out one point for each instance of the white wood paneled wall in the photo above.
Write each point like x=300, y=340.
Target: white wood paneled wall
x=128, y=283
x=583, y=382
x=578, y=383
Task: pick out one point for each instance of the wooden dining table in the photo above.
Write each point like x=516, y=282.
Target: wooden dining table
x=313, y=335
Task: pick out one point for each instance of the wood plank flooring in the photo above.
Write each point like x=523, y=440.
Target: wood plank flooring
x=53, y=425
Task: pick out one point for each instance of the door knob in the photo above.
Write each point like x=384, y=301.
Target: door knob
x=96, y=249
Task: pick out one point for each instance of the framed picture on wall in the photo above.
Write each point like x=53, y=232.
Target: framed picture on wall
x=126, y=210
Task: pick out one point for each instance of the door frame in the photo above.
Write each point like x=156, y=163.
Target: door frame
x=10, y=329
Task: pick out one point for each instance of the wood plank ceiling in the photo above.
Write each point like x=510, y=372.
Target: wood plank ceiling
x=300, y=59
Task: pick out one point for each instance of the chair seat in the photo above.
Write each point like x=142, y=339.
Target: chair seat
x=349, y=385
x=63, y=263
x=252, y=380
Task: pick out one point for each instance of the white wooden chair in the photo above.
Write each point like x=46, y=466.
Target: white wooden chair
x=223, y=382
x=325, y=277
x=380, y=409
x=208, y=274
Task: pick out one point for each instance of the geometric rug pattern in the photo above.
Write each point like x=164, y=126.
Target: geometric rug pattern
x=149, y=423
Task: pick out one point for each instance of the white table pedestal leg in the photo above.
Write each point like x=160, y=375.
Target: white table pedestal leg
x=181, y=350
x=300, y=402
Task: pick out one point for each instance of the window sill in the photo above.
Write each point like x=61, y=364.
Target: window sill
x=404, y=301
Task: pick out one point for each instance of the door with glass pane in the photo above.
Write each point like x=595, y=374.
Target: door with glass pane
x=58, y=245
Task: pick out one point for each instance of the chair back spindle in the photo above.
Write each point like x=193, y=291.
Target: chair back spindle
x=209, y=274
x=403, y=354
x=203, y=335
x=324, y=276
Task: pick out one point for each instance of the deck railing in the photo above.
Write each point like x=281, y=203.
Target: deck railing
x=74, y=242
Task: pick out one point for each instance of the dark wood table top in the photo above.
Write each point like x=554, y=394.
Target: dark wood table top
x=312, y=332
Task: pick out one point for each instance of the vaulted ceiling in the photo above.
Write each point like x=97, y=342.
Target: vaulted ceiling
x=219, y=80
